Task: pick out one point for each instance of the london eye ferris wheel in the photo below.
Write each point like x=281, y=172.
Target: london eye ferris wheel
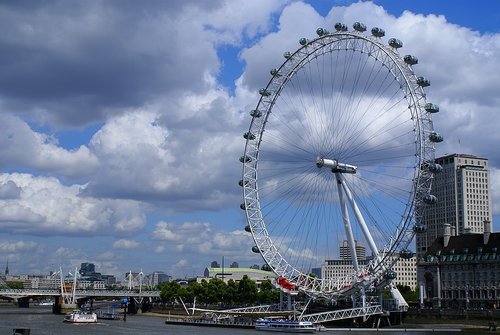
x=340, y=148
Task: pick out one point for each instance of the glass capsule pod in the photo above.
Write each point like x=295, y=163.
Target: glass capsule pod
x=242, y=206
x=435, y=168
x=303, y=41
x=419, y=228
x=255, y=113
x=264, y=92
x=410, y=60
x=431, y=108
x=378, y=32
x=390, y=274
x=395, y=43
x=435, y=137
x=241, y=183
x=430, y=199
x=245, y=159
x=287, y=54
x=322, y=32
x=275, y=73
x=255, y=249
x=406, y=254
x=358, y=26
x=248, y=136
x=247, y=229
x=340, y=26
x=423, y=82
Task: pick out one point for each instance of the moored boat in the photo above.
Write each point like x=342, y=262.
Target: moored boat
x=78, y=316
x=109, y=315
x=46, y=303
x=287, y=326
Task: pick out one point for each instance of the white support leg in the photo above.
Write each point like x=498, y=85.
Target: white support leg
x=360, y=219
x=347, y=224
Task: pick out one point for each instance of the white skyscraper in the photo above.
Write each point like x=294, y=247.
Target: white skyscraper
x=463, y=199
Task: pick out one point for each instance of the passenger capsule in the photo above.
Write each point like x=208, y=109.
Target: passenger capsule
x=431, y=108
x=255, y=249
x=406, y=254
x=248, y=136
x=303, y=41
x=423, y=82
x=242, y=206
x=435, y=168
x=430, y=199
x=390, y=274
x=435, y=137
x=264, y=92
x=395, y=43
x=287, y=54
x=245, y=159
x=420, y=228
x=410, y=60
x=358, y=26
x=322, y=32
x=241, y=183
x=340, y=26
x=275, y=73
x=255, y=113
x=247, y=229
x=378, y=32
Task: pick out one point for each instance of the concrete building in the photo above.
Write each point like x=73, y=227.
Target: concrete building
x=404, y=266
x=463, y=200
x=338, y=268
x=462, y=272
x=237, y=274
x=405, y=269
x=158, y=277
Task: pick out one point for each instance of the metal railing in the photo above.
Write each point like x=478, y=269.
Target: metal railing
x=13, y=293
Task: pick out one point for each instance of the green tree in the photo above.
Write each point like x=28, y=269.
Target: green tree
x=408, y=293
x=15, y=284
x=216, y=291
x=169, y=291
x=268, y=293
x=231, y=292
x=247, y=290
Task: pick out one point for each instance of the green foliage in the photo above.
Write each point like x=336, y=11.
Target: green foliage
x=15, y=284
x=405, y=291
x=408, y=293
x=247, y=290
x=217, y=291
x=169, y=291
x=267, y=293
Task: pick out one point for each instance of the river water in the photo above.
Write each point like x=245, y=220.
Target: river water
x=41, y=321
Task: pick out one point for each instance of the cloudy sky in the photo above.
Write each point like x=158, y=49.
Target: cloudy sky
x=121, y=122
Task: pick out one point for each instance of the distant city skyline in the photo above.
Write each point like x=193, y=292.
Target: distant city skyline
x=121, y=123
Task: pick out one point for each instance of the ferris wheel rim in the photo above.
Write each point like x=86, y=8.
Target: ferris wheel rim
x=293, y=64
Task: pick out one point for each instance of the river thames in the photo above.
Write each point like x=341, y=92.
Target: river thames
x=41, y=321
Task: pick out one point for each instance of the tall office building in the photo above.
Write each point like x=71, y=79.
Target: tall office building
x=463, y=199
x=345, y=251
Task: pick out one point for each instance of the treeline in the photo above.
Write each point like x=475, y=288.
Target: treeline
x=216, y=291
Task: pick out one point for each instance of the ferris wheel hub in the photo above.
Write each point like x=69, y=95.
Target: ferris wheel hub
x=335, y=166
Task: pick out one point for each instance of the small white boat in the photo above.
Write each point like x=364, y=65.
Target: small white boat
x=46, y=303
x=78, y=316
x=286, y=326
